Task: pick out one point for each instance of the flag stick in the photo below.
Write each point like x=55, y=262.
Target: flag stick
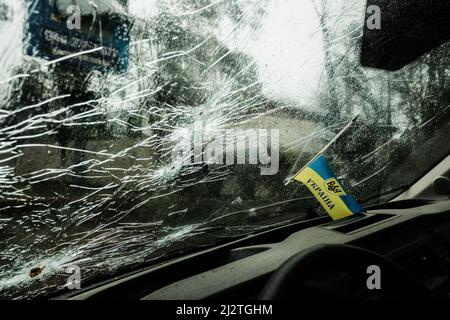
x=289, y=180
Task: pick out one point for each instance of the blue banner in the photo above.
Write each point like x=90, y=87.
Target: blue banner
x=101, y=43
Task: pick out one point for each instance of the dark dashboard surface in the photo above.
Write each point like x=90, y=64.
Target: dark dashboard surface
x=417, y=238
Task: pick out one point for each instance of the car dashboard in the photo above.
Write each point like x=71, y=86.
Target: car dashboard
x=416, y=236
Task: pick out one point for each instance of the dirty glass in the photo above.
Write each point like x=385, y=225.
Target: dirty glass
x=96, y=173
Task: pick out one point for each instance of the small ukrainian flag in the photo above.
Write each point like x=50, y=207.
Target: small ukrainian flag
x=322, y=182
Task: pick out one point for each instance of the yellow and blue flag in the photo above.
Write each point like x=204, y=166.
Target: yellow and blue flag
x=322, y=182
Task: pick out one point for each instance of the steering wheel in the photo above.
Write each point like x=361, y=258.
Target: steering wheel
x=340, y=272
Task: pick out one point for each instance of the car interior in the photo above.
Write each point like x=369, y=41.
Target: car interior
x=407, y=239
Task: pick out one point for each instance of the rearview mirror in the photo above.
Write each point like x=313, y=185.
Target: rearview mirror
x=398, y=32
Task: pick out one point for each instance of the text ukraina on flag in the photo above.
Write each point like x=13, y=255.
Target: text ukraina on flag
x=321, y=181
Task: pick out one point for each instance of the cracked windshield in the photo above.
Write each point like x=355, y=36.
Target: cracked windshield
x=134, y=131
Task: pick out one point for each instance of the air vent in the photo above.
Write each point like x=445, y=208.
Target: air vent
x=357, y=222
